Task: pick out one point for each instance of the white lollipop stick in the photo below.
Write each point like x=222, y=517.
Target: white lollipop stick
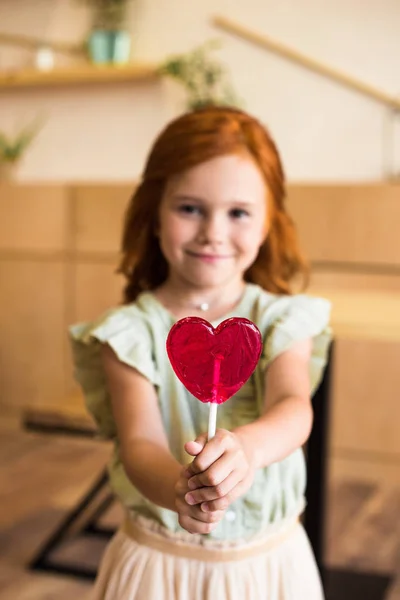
x=212, y=420
x=213, y=405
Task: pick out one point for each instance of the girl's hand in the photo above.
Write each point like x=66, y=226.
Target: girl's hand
x=222, y=471
x=191, y=517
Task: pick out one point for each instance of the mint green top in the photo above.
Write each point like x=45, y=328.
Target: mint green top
x=137, y=333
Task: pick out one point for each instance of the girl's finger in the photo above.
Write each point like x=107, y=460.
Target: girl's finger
x=194, y=526
x=221, y=504
x=212, y=450
x=213, y=476
x=195, y=512
x=204, y=494
x=195, y=447
x=207, y=517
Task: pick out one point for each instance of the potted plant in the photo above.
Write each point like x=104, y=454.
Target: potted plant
x=205, y=80
x=13, y=147
x=109, y=41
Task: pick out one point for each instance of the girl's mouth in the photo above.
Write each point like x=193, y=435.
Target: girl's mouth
x=208, y=257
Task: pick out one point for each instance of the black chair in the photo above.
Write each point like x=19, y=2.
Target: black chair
x=317, y=469
x=338, y=583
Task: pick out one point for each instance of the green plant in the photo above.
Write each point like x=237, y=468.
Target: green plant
x=205, y=80
x=13, y=147
x=108, y=15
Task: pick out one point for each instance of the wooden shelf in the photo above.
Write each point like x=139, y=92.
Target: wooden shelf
x=77, y=75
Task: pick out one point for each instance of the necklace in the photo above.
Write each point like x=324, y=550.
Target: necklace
x=203, y=306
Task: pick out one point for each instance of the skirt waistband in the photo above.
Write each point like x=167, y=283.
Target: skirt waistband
x=138, y=531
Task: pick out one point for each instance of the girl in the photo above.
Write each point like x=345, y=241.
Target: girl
x=207, y=234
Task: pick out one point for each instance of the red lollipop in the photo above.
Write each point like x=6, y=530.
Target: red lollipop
x=213, y=363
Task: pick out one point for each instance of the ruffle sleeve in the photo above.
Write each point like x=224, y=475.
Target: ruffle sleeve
x=297, y=318
x=130, y=337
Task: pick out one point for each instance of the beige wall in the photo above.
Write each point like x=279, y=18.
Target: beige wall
x=58, y=252
x=325, y=132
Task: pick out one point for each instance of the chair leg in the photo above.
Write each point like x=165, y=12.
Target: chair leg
x=317, y=450
x=92, y=526
x=81, y=519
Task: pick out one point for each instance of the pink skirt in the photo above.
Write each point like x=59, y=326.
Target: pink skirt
x=144, y=561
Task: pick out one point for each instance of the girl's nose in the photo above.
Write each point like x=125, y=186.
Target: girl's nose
x=212, y=231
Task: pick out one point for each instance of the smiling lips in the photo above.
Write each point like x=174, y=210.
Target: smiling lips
x=207, y=257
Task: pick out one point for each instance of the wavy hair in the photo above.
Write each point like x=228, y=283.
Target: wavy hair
x=187, y=141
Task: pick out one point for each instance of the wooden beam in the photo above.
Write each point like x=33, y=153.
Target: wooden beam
x=294, y=56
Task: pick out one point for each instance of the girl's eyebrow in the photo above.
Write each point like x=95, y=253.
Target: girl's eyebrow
x=242, y=202
x=234, y=202
x=187, y=197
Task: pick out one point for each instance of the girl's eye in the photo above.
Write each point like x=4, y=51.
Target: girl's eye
x=189, y=209
x=238, y=213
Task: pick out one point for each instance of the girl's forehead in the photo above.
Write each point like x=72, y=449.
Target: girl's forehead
x=225, y=175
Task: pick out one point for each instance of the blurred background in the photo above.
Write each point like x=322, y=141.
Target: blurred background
x=85, y=85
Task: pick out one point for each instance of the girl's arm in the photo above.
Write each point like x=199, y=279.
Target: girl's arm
x=224, y=469
x=144, y=449
x=287, y=420
x=143, y=443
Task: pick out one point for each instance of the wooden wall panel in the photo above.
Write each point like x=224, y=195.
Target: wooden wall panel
x=366, y=407
x=348, y=223
x=98, y=217
x=334, y=279
x=358, y=314
x=32, y=315
x=97, y=289
x=33, y=217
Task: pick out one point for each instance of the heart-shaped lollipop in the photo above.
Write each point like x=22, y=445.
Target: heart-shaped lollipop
x=214, y=363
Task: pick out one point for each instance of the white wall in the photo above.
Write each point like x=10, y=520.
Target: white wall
x=324, y=131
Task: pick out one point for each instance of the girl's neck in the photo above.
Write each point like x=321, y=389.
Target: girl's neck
x=210, y=304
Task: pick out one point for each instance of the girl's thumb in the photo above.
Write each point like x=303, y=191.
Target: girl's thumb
x=194, y=448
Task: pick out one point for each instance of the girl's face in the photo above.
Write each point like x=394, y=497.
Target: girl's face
x=212, y=221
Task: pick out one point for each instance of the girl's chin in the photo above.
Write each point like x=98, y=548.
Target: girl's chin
x=210, y=282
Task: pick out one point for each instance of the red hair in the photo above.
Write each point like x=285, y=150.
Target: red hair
x=191, y=139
